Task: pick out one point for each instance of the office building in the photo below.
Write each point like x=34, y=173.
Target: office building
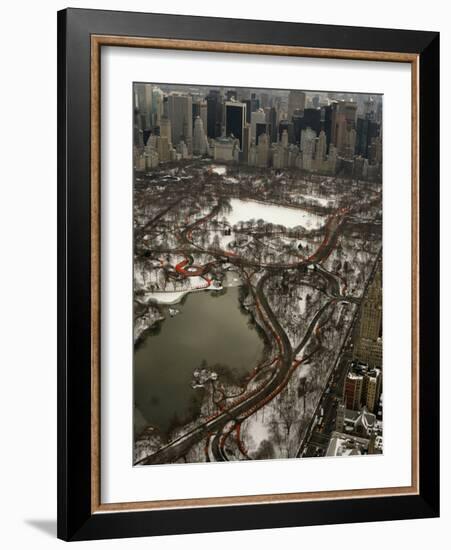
x=200, y=110
x=214, y=114
x=311, y=118
x=165, y=128
x=263, y=151
x=289, y=127
x=226, y=149
x=363, y=386
x=273, y=120
x=200, y=143
x=180, y=108
x=257, y=117
x=320, y=152
x=296, y=102
x=262, y=128
x=235, y=119
x=246, y=145
x=157, y=106
x=371, y=390
x=353, y=390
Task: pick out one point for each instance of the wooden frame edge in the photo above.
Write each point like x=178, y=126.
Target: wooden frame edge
x=261, y=49
x=277, y=498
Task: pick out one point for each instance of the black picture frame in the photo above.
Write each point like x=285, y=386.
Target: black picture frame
x=76, y=521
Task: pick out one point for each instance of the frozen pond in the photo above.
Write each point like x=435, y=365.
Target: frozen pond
x=245, y=210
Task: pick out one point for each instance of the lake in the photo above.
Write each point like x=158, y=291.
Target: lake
x=211, y=327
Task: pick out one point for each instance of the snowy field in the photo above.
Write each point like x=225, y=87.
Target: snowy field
x=220, y=170
x=245, y=210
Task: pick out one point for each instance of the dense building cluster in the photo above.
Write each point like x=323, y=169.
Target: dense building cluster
x=315, y=132
x=358, y=423
x=364, y=380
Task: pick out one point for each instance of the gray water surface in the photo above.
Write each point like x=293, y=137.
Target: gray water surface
x=209, y=328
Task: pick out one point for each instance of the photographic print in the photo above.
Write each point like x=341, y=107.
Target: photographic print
x=257, y=273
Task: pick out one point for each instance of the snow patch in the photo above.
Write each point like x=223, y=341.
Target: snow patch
x=220, y=170
x=245, y=210
x=256, y=430
x=322, y=201
x=167, y=297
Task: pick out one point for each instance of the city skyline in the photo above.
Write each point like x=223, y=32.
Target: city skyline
x=321, y=132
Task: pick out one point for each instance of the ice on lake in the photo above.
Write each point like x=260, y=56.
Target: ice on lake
x=245, y=210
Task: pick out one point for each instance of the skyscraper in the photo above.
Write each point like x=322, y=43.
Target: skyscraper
x=264, y=100
x=157, y=105
x=226, y=149
x=246, y=143
x=375, y=150
x=367, y=129
x=321, y=149
x=273, y=121
x=362, y=136
x=180, y=108
x=261, y=128
x=371, y=319
x=353, y=390
x=310, y=119
x=308, y=135
x=263, y=151
x=315, y=101
x=368, y=344
x=343, y=121
x=165, y=128
x=369, y=109
x=143, y=102
x=214, y=114
x=371, y=389
x=284, y=139
x=164, y=149
x=362, y=387
x=326, y=122
x=296, y=102
x=235, y=119
x=257, y=117
x=200, y=110
x=255, y=102
x=200, y=145
x=340, y=418
x=289, y=127
x=350, y=111
x=348, y=147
